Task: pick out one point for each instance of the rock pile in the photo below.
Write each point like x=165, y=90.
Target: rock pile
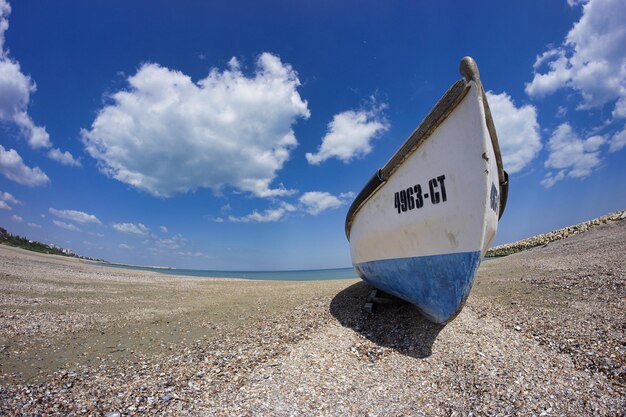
x=544, y=239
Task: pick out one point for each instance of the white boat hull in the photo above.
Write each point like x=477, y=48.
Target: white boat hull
x=423, y=233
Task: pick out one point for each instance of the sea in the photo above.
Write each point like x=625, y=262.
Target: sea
x=302, y=275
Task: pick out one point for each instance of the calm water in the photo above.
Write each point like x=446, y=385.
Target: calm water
x=306, y=275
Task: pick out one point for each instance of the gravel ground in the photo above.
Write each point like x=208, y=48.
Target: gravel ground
x=543, y=333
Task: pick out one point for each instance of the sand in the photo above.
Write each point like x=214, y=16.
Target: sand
x=543, y=333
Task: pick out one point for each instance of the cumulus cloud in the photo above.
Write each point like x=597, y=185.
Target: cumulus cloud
x=34, y=225
x=5, y=10
x=12, y=166
x=125, y=246
x=16, y=218
x=312, y=202
x=349, y=135
x=66, y=226
x=36, y=136
x=8, y=197
x=618, y=141
x=572, y=156
x=518, y=131
x=167, y=243
x=163, y=229
x=269, y=215
x=551, y=178
x=64, y=158
x=75, y=216
x=15, y=90
x=166, y=134
x=132, y=228
x=315, y=202
x=591, y=60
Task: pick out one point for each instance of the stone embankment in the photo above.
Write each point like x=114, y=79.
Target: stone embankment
x=544, y=239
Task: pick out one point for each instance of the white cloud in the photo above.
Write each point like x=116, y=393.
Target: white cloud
x=517, y=129
x=16, y=218
x=591, y=60
x=550, y=178
x=571, y=155
x=166, y=134
x=15, y=90
x=125, y=246
x=163, y=229
x=75, y=216
x=167, y=243
x=269, y=215
x=618, y=141
x=315, y=202
x=36, y=136
x=132, y=228
x=349, y=135
x=66, y=226
x=6, y=199
x=179, y=238
x=193, y=254
x=64, y=158
x=5, y=11
x=12, y=166
x=34, y=225
x=556, y=78
x=312, y=202
x=96, y=234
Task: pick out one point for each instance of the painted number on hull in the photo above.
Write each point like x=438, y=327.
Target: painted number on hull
x=413, y=197
x=494, y=200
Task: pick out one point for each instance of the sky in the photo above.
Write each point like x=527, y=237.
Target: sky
x=234, y=135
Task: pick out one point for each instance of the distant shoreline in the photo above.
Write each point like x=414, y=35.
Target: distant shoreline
x=132, y=265
x=494, y=252
x=286, y=275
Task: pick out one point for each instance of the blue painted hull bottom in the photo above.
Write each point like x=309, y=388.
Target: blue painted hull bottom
x=438, y=284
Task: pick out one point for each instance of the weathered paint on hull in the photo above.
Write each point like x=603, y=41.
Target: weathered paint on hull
x=437, y=284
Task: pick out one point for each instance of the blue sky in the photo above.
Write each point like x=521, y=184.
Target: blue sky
x=234, y=135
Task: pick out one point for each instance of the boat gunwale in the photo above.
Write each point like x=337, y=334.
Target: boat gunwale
x=444, y=107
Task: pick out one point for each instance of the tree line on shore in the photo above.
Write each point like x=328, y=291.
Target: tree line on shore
x=10, y=239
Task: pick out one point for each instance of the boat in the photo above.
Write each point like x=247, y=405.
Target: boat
x=420, y=227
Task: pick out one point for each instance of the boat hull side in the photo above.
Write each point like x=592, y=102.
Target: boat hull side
x=437, y=284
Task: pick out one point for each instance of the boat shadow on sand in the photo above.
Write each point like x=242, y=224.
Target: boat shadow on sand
x=399, y=326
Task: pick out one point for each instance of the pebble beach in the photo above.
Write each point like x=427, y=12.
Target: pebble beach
x=543, y=333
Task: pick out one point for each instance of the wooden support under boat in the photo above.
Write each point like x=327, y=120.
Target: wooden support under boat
x=378, y=297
